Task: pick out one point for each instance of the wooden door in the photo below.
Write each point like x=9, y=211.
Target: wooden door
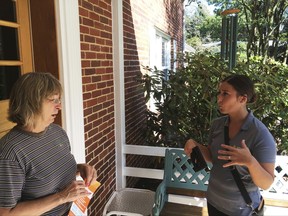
x=28, y=43
x=15, y=51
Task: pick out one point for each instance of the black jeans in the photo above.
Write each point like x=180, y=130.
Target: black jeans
x=212, y=211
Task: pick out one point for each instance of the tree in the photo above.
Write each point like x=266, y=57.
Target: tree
x=262, y=25
x=187, y=102
x=201, y=26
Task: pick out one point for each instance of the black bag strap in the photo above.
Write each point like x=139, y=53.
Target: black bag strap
x=236, y=174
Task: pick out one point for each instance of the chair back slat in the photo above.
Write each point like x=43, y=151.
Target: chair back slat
x=179, y=172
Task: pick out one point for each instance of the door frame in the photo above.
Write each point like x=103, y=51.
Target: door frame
x=68, y=40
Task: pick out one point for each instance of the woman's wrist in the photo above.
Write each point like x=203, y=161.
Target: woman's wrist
x=60, y=197
x=193, y=143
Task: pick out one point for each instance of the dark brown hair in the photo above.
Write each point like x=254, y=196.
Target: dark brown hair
x=243, y=85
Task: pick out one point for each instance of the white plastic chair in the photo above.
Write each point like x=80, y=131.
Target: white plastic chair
x=130, y=202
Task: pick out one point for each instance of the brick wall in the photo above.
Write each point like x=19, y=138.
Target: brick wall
x=97, y=77
x=98, y=94
x=140, y=16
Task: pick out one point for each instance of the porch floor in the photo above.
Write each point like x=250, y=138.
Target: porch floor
x=275, y=211
x=152, y=184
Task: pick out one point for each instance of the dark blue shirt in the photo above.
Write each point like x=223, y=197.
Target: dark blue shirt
x=223, y=192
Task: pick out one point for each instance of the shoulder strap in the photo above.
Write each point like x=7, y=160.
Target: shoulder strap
x=236, y=174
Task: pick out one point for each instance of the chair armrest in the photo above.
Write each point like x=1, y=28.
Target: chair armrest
x=161, y=197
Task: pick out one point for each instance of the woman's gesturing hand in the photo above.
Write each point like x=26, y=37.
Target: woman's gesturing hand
x=235, y=155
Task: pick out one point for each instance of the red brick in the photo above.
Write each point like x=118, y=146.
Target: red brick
x=98, y=85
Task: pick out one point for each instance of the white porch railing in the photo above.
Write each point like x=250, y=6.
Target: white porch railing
x=278, y=190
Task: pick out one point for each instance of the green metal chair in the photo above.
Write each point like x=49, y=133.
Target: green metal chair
x=179, y=176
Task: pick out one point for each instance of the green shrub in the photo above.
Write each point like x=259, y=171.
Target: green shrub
x=186, y=103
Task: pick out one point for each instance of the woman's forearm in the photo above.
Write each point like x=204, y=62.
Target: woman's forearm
x=190, y=144
x=33, y=207
x=261, y=174
x=39, y=206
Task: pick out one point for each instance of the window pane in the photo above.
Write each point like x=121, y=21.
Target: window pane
x=7, y=10
x=8, y=43
x=164, y=53
x=166, y=74
x=8, y=76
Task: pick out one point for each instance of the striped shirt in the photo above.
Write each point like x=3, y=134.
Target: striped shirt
x=35, y=165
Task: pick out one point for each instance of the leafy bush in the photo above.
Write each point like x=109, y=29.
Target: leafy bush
x=186, y=103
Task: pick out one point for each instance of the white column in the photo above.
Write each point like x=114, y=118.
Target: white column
x=118, y=68
x=68, y=36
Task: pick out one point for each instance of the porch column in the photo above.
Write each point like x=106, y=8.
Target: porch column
x=68, y=37
x=118, y=68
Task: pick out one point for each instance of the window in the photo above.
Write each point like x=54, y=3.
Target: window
x=160, y=56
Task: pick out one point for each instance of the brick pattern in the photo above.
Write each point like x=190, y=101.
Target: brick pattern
x=98, y=94
x=97, y=78
x=140, y=16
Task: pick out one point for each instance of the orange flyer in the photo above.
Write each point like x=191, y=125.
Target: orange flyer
x=79, y=206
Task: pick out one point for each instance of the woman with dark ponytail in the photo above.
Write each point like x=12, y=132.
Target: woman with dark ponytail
x=251, y=150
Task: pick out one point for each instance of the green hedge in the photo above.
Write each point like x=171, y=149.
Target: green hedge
x=186, y=103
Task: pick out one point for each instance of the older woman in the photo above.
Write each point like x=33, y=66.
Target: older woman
x=37, y=169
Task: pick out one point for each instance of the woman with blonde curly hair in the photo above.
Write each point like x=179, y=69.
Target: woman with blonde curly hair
x=37, y=169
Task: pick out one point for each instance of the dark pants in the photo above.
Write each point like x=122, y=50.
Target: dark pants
x=212, y=211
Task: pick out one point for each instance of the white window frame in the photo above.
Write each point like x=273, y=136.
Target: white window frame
x=156, y=49
x=157, y=37
x=174, y=54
